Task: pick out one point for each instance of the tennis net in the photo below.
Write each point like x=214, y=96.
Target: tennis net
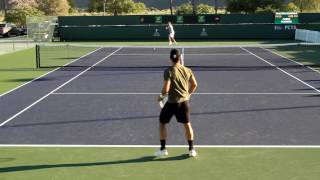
x=156, y=57
x=15, y=44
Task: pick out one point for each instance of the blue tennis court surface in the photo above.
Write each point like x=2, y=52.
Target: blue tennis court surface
x=246, y=96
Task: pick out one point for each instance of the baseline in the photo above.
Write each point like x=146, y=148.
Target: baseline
x=83, y=93
x=189, y=54
x=155, y=146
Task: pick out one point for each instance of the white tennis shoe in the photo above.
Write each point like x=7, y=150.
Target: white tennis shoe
x=161, y=153
x=193, y=153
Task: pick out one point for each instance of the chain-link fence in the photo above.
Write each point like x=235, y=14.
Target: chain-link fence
x=41, y=29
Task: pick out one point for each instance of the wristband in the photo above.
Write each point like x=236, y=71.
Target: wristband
x=162, y=96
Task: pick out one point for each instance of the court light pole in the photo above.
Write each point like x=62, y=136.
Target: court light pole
x=216, y=6
x=171, y=9
x=193, y=3
x=104, y=7
x=4, y=4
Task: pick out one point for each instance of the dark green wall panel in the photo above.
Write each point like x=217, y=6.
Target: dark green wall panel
x=231, y=26
x=253, y=31
x=309, y=18
x=246, y=18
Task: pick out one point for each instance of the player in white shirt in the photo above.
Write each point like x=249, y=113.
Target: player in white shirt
x=171, y=34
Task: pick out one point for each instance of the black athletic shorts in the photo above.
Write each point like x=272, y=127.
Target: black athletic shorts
x=180, y=110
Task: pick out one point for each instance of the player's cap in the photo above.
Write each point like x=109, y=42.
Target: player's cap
x=175, y=55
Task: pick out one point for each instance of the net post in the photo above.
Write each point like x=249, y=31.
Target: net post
x=36, y=48
x=37, y=56
x=68, y=51
x=182, y=57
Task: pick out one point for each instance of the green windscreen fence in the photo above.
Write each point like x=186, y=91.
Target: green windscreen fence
x=305, y=18
x=154, y=32
x=247, y=18
x=202, y=26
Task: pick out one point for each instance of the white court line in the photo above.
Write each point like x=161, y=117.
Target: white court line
x=62, y=93
x=282, y=70
x=204, y=54
x=292, y=60
x=39, y=100
x=220, y=54
x=48, y=73
x=157, y=146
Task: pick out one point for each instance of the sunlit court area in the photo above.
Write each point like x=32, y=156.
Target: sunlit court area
x=148, y=89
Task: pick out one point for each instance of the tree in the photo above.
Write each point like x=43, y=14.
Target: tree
x=139, y=8
x=71, y=3
x=185, y=8
x=13, y=4
x=116, y=7
x=267, y=9
x=96, y=5
x=267, y=4
x=72, y=6
x=204, y=9
x=290, y=7
x=120, y=6
x=54, y=7
x=251, y=6
x=18, y=15
x=307, y=5
x=247, y=6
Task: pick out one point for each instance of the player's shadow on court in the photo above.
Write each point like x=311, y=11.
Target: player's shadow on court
x=145, y=159
x=29, y=79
